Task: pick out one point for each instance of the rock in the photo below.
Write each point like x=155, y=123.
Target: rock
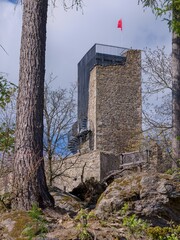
x=8, y=224
x=2, y=207
x=45, y=238
x=5, y=202
x=6, y=179
x=89, y=192
x=66, y=201
x=13, y=223
x=154, y=197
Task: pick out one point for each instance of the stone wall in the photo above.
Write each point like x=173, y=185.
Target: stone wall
x=92, y=108
x=160, y=161
x=114, y=110
x=108, y=163
x=97, y=164
x=77, y=168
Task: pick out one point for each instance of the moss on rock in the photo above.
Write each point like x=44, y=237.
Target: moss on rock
x=153, y=196
x=15, y=222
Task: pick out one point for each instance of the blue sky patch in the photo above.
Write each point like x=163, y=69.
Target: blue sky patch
x=13, y=1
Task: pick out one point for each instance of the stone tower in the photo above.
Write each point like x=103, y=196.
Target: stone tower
x=109, y=101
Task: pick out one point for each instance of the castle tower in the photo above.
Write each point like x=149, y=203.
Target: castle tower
x=109, y=101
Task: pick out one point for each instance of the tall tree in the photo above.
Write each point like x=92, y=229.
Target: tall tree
x=173, y=8
x=29, y=177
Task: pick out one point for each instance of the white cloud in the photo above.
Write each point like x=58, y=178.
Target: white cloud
x=10, y=25
x=70, y=34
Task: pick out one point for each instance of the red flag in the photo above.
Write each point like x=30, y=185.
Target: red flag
x=120, y=24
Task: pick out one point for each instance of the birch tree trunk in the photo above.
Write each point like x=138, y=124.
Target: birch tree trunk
x=29, y=176
x=176, y=98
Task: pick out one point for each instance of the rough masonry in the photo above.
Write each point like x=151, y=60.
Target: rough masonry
x=109, y=113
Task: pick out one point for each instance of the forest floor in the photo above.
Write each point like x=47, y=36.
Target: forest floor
x=137, y=206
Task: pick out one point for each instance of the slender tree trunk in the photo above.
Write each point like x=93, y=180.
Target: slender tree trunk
x=176, y=91
x=49, y=158
x=176, y=98
x=50, y=171
x=29, y=180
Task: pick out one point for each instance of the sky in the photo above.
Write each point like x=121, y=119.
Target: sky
x=70, y=34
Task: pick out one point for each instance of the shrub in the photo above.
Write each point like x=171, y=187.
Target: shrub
x=38, y=224
x=134, y=224
x=164, y=233
x=82, y=226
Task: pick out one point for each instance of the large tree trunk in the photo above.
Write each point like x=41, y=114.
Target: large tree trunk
x=29, y=180
x=176, y=98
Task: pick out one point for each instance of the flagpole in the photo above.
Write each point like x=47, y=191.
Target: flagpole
x=119, y=25
x=121, y=39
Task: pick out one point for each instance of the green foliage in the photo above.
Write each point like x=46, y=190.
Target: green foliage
x=178, y=138
x=176, y=17
x=82, y=226
x=6, y=138
x=103, y=223
x=124, y=209
x=165, y=233
x=6, y=91
x=134, y=224
x=170, y=8
x=38, y=225
x=138, y=227
x=172, y=171
x=149, y=3
x=20, y=218
x=35, y=213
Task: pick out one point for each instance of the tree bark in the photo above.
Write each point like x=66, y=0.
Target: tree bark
x=176, y=90
x=50, y=171
x=29, y=176
x=176, y=98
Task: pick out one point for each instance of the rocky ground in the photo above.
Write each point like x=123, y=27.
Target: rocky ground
x=132, y=206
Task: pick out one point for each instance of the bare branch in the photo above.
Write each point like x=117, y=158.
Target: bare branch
x=3, y=49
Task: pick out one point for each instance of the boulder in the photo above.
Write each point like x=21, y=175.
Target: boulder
x=151, y=196
x=89, y=192
x=66, y=201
